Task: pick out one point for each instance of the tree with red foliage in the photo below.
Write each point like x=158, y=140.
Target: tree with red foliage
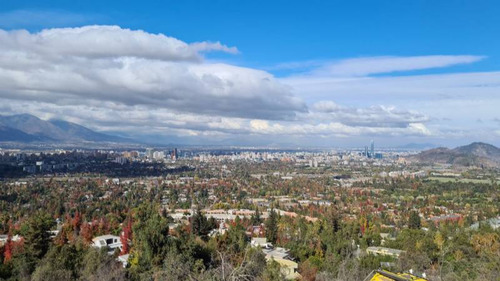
x=62, y=238
x=76, y=222
x=103, y=226
x=7, y=250
x=126, y=236
x=87, y=232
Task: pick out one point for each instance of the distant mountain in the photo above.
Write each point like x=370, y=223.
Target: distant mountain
x=29, y=128
x=85, y=133
x=474, y=154
x=14, y=135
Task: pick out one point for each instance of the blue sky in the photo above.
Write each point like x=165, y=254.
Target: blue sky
x=426, y=71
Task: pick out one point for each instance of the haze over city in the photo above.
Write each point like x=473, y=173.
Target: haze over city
x=257, y=73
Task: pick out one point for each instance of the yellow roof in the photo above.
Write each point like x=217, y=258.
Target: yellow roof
x=284, y=262
x=383, y=275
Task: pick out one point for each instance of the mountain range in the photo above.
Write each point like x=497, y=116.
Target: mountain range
x=28, y=128
x=474, y=154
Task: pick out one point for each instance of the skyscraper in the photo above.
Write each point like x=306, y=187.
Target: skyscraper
x=149, y=153
x=372, y=149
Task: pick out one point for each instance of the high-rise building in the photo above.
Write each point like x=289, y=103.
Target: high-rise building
x=366, y=152
x=174, y=154
x=149, y=153
x=372, y=149
x=158, y=155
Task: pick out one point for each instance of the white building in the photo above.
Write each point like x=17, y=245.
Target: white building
x=111, y=242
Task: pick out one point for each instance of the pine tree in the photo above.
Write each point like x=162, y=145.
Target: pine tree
x=199, y=224
x=414, y=220
x=255, y=219
x=37, y=237
x=151, y=239
x=272, y=227
x=334, y=220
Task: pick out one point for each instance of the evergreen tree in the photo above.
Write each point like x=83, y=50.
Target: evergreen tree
x=414, y=220
x=256, y=219
x=37, y=236
x=199, y=224
x=334, y=220
x=151, y=240
x=272, y=227
x=273, y=272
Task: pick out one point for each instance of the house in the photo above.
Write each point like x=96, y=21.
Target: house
x=288, y=268
x=383, y=251
x=493, y=222
x=260, y=242
x=277, y=252
x=280, y=255
x=111, y=242
x=445, y=218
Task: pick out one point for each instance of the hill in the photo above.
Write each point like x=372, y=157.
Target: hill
x=474, y=154
x=28, y=128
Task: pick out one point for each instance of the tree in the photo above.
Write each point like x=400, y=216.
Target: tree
x=37, y=238
x=255, y=219
x=76, y=222
x=151, y=240
x=7, y=254
x=273, y=271
x=60, y=263
x=414, y=220
x=199, y=224
x=334, y=219
x=272, y=227
x=97, y=265
x=125, y=237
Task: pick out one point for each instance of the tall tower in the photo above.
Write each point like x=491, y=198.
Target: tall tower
x=173, y=154
x=149, y=152
x=372, y=149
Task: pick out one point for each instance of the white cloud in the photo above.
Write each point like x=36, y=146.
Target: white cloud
x=432, y=87
x=98, y=41
x=373, y=65
x=115, y=79
x=133, y=67
x=142, y=120
x=373, y=116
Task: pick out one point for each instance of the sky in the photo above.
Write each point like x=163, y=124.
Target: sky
x=265, y=73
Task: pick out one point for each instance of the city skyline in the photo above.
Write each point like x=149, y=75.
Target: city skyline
x=249, y=74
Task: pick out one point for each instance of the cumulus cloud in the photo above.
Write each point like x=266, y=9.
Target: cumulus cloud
x=114, y=79
x=97, y=41
x=133, y=67
x=336, y=129
x=442, y=105
x=373, y=116
x=141, y=120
